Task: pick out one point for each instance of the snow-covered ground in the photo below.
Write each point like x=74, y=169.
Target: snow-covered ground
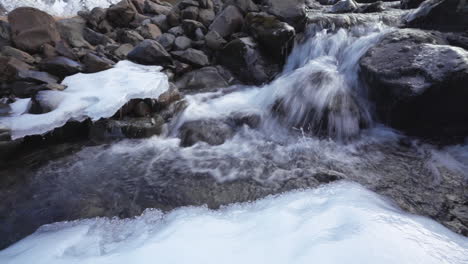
x=338, y=223
x=95, y=96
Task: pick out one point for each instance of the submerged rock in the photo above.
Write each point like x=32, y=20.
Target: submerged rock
x=213, y=132
x=205, y=78
x=128, y=127
x=419, y=83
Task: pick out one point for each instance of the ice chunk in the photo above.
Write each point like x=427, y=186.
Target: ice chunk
x=97, y=95
x=339, y=223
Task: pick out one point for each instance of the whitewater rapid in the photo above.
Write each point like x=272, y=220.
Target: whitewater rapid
x=60, y=8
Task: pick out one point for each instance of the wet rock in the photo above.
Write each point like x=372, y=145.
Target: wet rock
x=409, y=4
x=446, y=15
x=94, y=63
x=32, y=28
x=213, y=132
x=168, y=97
x=150, y=52
x=128, y=127
x=5, y=109
x=193, y=57
x=121, y=14
x=149, y=31
x=18, y=54
x=71, y=30
x=230, y=20
x=418, y=83
x=182, y=43
x=129, y=36
x=10, y=67
x=275, y=36
x=371, y=8
x=291, y=11
x=190, y=12
x=190, y=27
x=344, y=6
x=5, y=34
x=95, y=38
x=142, y=109
x=251, y=120
x=61, y=66
x=242, y=56
x=24, y=89
x=204, y=78
x=214, y=41
x=166, y=40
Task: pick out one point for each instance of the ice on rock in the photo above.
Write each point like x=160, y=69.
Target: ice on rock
x=338, y=223
x=95, y=96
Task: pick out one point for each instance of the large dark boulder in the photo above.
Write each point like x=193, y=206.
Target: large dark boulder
x=10, y=67
x=275, y=36
x=121, y=14
x=205, y=78
x=193, y=57
x=150, y=52
x=419, y=83
x=229, y=21
x=32, y=28
x=95, y=63
x=18, y=54
x=445, y=15
x=292, y=11
x=213, y=132
x=61, y=66
x=243, y=57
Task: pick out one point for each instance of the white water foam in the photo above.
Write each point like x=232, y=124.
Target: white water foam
x=339, y=223
x=59, y=8
x=95, y=96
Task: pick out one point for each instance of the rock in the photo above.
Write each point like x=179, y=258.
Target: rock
x=105, y=27
x=95, y=17
x=193, y=57
x=291, y=11
x=149, y=31
x=240, y=119
x=36, y=76
x=214, y=40
x=181, y=68
x=129, y=36
x=5, y=34
x=166, y=40
x=173, y=18
x=275, y=36
x=204, y=78
x=188, y=3
x=10, y=67
x=206, y=16
x=18, y=54
x=150, y=52
x=142, y=109
x=344, y=6
x=32, y=28
x=61, y=66
x=418, y=83
x=445, y=15
x=371, y=8
x=139, y=5
x=161, y=22
x=244, y=59
x=153, y=8
x=23, y=89
x=71, y=30
x=176, y=31
x=230, y=20
x=409, y=4
x=190, y=12
x=168, y=97
x=182, y=43
x=123, y=50
x=213, y=132
x=128, y=127
x=245, y=5
x=94, y=63
x=5, y=110
x=94, y=38
x=190, y=27
x=121, y=14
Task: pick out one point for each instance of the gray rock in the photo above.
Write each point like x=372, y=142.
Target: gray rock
x=161, y=22
x=72, y=31
x=157, y=9
x=229, y=21
x=25, y=89
x=61, y=66
x=95, y=38
x=18, y=54
x=129, y=36
x=150, y=52
x=344, y=6
x=190, y=12
x=149, y=31
x=371, y=8
x=245, y=5
x=128, y=127
x=5, y=110
x=182, y=43
x=204, y=78
x=10, y=67
x=5, y=34
x=166, y=40
x=94, y=63
x=418, y=83
x=121, y=14
x=122, y=51
x=193, y=57
x=213, y=132
x=176, y=31
x=206, y=16
x=95, y=17
x=36, y=76
x=190, y=27
x=173, y=18
x=214, y=40
x=292, y=11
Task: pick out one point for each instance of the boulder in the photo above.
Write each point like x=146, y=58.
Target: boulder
x=445, y=15
x=161, y=22
x=214, y=41
x=61, y=66
x=409, y=4
x=190, y=27
x=36, y=76
x=18, y=54
x=206, y=16
x=173, y=18
x=344, y=6
x=244, y=5
x=190, y=12
x=122, y=51
x=150, y=52
x=193, y=57
x=95, y=63
x=275, y=36
x=71, y=30
x=121, y=14
x=32, y=28
x=243, y=57
x=213, y=132
x=371, y=8
x=292, y=11
x=95, y=17
x=149, y=31
x=418, y=83
x=176, y=31
x=129, y=36
x=182, y=43
x=10, y=67
x=157, y=9
x=205, y=78
x=229, y=21
x=24, y=89
x=128, y=127
x=5, y=34
x=166, y=40
x=95, y=38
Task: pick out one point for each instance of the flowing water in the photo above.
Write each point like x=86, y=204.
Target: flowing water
x=317, y=126
x=61, y=8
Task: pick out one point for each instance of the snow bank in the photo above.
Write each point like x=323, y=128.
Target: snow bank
x=97, y=95
x=339, y=223
x=58, y=7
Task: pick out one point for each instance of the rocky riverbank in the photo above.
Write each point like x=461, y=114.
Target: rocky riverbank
x=415, y=75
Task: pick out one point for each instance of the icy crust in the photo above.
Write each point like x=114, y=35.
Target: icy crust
x=95, y=96
x=338, y=223
x=58, y=7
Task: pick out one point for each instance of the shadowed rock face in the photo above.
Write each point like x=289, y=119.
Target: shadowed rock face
x=446, y=15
